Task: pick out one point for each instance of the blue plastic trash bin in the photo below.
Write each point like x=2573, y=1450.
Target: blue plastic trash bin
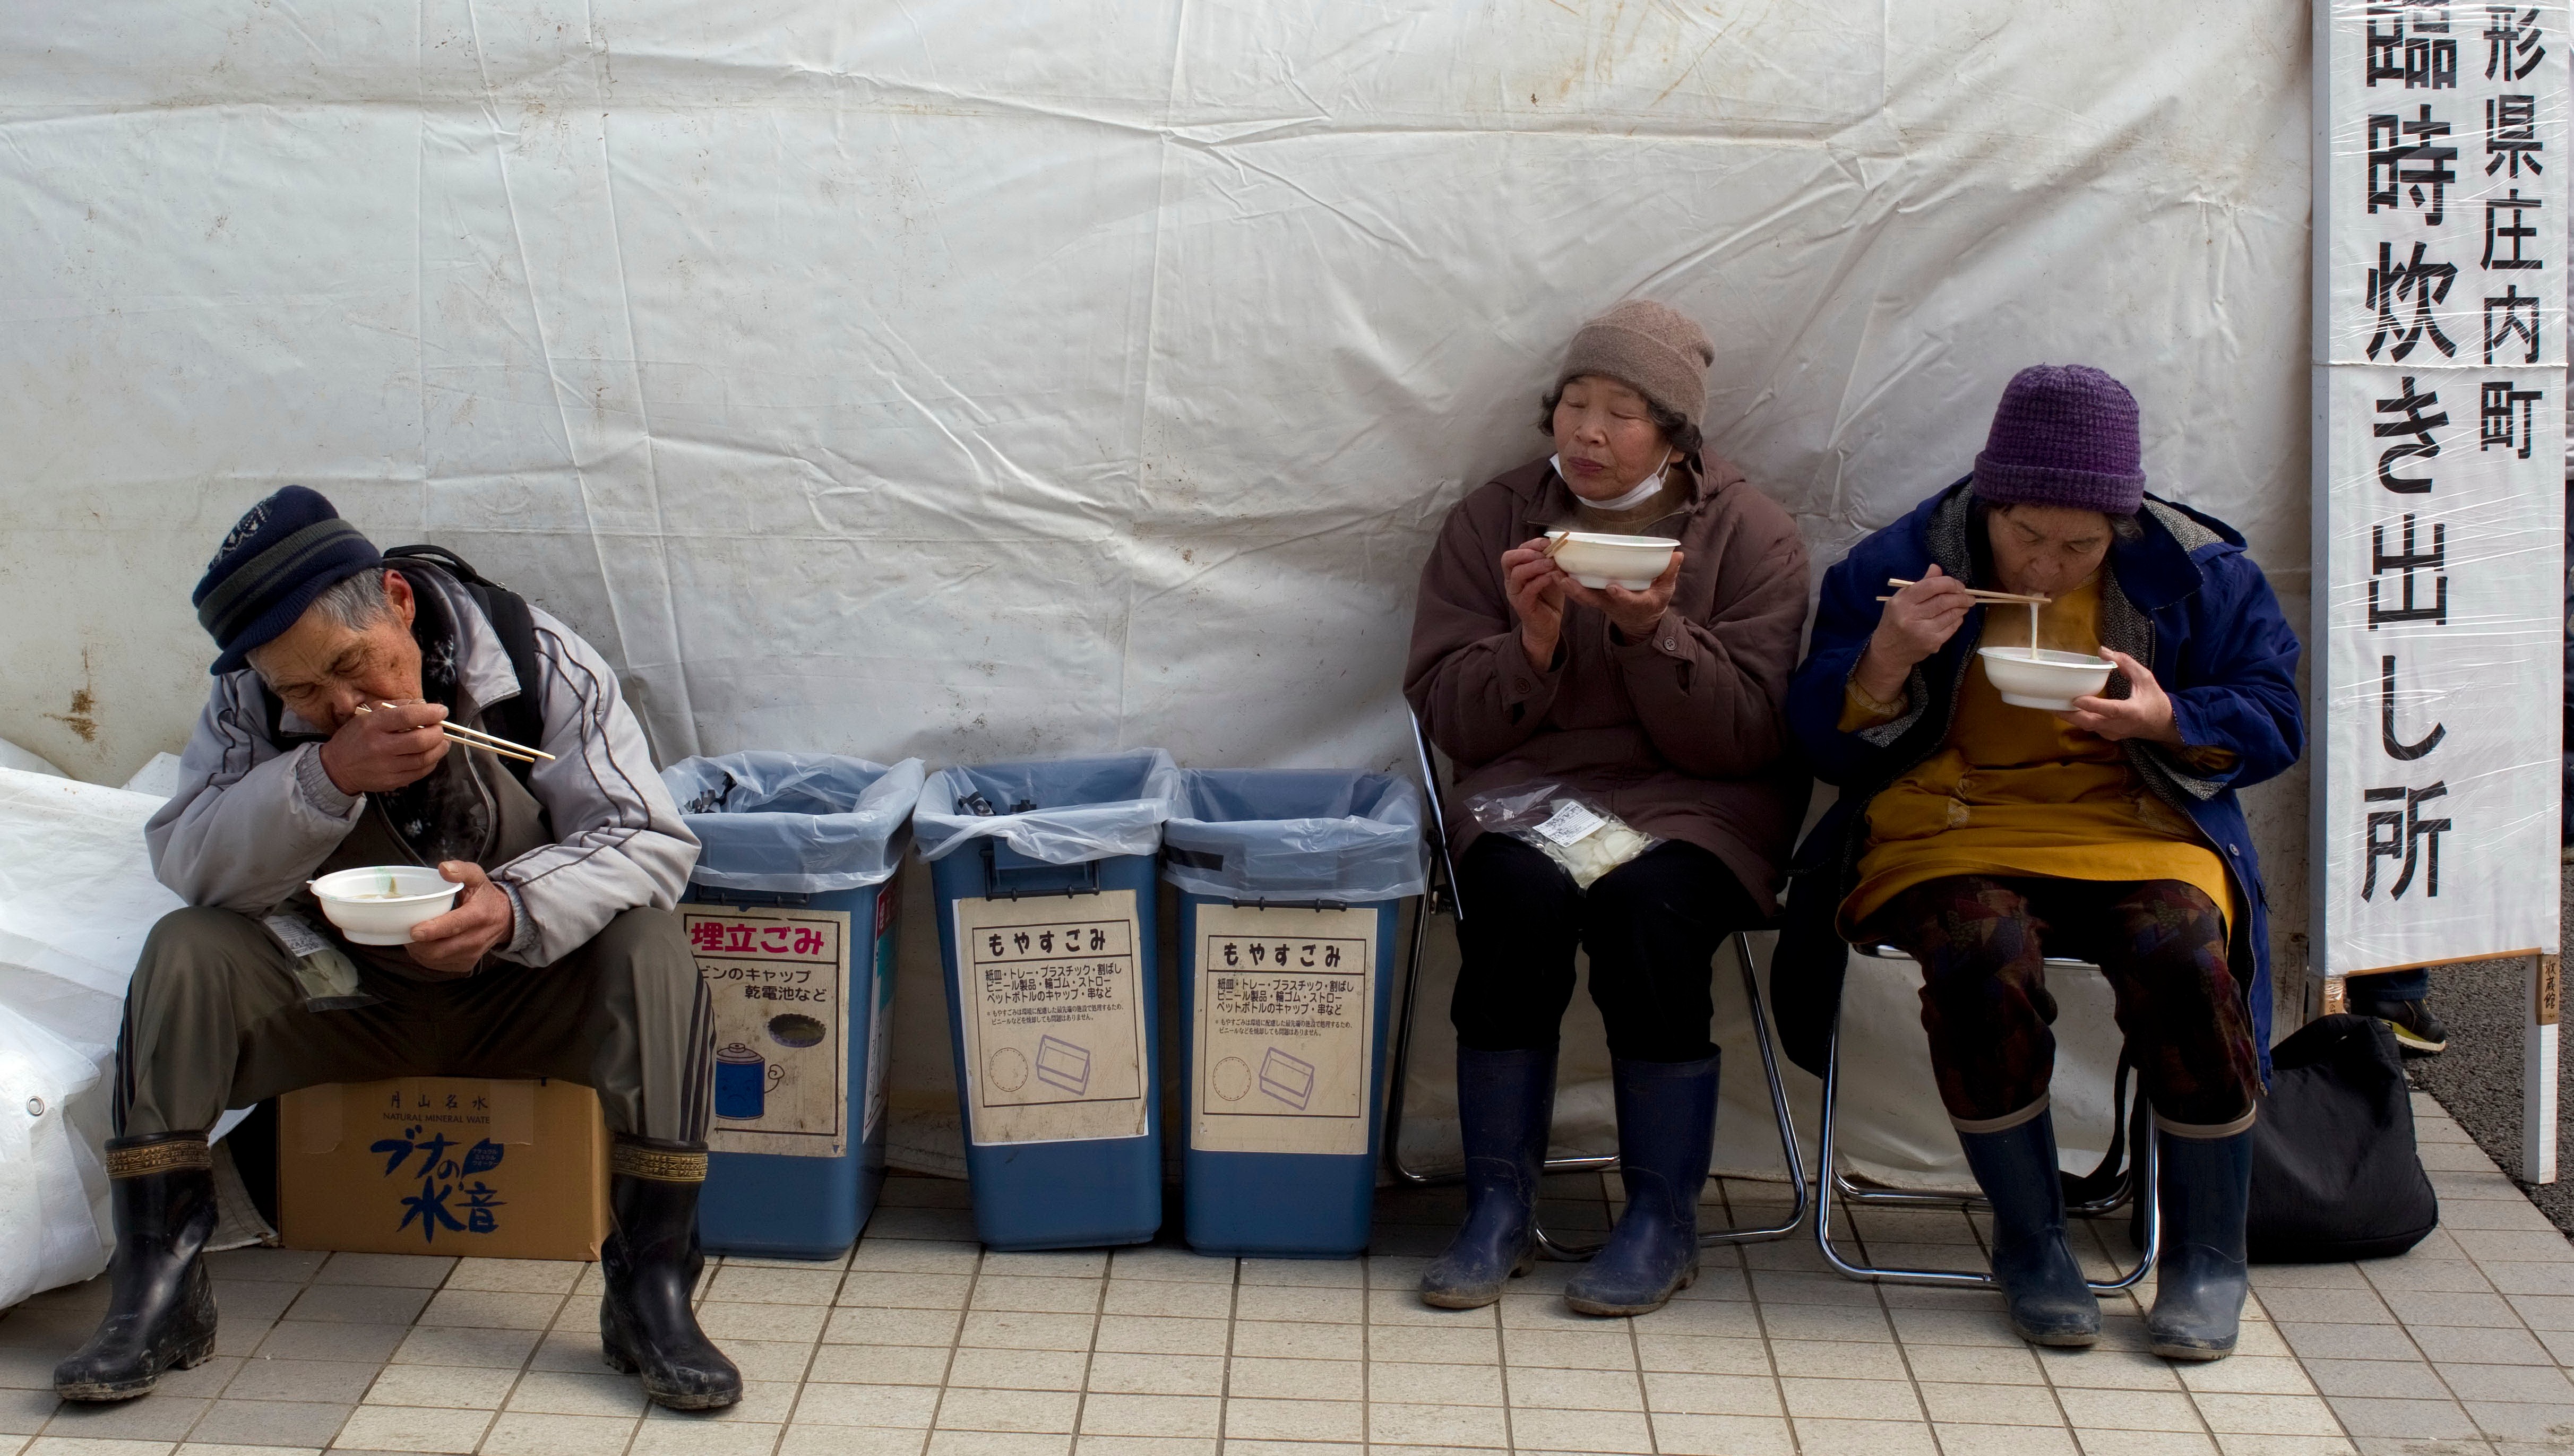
x=794, y=931
x=1290, y=881
x=1045, y=881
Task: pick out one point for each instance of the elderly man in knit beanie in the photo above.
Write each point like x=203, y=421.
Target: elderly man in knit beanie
x=1980, y=836
x=322, y=749
x=1660, y=705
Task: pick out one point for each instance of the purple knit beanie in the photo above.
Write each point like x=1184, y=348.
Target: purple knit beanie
x=2063, y=434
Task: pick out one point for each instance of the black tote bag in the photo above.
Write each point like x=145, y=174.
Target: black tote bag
x=2335, y=1174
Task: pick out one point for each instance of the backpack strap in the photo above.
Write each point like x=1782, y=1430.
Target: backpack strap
x=520, y=719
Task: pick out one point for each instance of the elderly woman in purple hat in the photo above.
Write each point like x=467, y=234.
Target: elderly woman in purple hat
x=1980, y=837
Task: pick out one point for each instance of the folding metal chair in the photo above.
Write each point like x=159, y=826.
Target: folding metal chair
x=2132, y=1187
x=1443, y=896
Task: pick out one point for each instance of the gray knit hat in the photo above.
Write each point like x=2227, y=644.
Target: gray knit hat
x=1658, y=351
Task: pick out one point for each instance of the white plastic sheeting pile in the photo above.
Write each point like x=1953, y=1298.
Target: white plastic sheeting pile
x=985, y=379
x=76, y=900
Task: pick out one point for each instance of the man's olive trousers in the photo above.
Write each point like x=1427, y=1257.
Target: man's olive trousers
x=214, y=1018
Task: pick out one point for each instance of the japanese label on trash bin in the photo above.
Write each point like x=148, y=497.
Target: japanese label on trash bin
x=1054, y=1017
x=1286, y=1014
x=779, y=981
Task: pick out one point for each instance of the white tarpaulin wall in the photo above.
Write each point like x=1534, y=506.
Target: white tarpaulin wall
x=983, y=379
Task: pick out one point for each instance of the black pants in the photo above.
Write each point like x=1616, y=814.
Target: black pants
x=1651, y=926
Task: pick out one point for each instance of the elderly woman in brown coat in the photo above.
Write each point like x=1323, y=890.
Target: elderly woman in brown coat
x=1664, y=707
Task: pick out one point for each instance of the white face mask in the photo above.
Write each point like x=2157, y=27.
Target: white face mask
x=1644, y=491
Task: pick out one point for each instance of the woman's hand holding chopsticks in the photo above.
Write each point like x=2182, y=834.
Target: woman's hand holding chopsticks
x=1918, y=620
x=1536, y=586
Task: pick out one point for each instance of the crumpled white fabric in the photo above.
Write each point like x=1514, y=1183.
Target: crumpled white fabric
x=77, y=898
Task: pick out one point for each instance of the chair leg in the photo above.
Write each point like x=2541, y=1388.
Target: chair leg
x=1829, y=1183
x=1788, y=1153
x=1442, y=881
x=1401, y=1071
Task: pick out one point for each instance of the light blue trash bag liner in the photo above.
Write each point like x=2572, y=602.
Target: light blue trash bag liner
x=1298, y=835
x=794, y=823
x=1086, y=809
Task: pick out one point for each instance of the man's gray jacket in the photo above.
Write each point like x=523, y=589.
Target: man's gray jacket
x=252, y=819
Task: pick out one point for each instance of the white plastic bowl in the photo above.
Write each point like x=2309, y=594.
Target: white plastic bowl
x=357, y=903
x=2043, y=679
x=1595, y=558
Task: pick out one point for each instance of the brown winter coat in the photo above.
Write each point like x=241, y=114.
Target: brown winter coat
x=1683, y=733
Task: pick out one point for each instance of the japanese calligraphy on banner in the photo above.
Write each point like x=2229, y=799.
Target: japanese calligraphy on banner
x=1286, y=1013
x=779, y=981
x=2438, y=525
x=1054, y=1017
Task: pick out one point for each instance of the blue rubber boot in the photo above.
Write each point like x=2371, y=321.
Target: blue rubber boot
x=2051, y=1305
x=1666, y=1134
x=1505, y=1105
x=2204, y=1188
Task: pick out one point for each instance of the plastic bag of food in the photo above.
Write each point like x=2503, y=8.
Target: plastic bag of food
x=1574, y=831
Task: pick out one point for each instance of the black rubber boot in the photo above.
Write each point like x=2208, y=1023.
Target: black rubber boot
x=1666, y=1134
x=647, y=1324
x=160, y=1305
x=2050, y=1303
x=2203, y=1188
x=1505, y=1103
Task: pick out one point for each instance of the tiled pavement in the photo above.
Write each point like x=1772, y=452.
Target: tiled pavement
x=922, y=1345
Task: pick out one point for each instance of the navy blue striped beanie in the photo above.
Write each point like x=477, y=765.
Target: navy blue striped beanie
x=285, y=551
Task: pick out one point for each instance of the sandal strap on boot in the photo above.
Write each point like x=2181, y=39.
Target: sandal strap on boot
x=158, y=1152
x=662, y=1163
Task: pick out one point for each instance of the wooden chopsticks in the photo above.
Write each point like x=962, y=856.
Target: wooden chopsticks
x=2016, y=597
x=497, y=746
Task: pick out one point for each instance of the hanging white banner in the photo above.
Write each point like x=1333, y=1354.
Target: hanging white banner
x=2439, y=510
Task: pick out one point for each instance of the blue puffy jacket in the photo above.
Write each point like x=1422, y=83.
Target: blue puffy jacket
x=2183, y=599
